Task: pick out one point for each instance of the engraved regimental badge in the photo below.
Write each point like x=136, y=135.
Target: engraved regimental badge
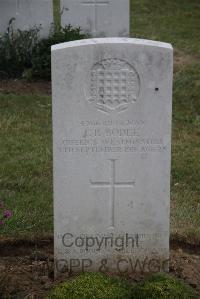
x=114, y=85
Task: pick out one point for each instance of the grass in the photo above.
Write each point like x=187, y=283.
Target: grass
x=186, y=154
x=25, y=163
x=25, y=123
x=178, y=22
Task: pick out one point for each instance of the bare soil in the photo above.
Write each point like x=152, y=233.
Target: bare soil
x=181, y=60
x=26, y=268
x=23, y=87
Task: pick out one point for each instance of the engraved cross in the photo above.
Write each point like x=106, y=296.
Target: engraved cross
x=112, y=184
x=96, y=4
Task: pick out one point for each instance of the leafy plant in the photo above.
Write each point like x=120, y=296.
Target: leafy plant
x=23, y=54
x=41, y=59
x=92, y=286
x=16, y=49
x=162, y=286
x=101, y=286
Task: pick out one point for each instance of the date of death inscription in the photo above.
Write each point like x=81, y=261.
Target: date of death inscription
x=127, y=136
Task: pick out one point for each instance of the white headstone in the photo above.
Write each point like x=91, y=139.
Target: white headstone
x=100, y=18
x=27, y=13
x=112, y=101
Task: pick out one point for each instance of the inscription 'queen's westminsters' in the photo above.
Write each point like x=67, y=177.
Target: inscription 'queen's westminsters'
x=114, y=85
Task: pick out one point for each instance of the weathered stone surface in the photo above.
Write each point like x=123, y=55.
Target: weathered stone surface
x=112, y=101
x=100, y=18
x=27, y=13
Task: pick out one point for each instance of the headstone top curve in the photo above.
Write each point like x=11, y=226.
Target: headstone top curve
x=111, y=40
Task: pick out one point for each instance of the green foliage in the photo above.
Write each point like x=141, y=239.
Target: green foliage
x=161, y=286
x=41, y=59
x=100, y=286
x=92, y=286
x=16, y=49
x=23, y=54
